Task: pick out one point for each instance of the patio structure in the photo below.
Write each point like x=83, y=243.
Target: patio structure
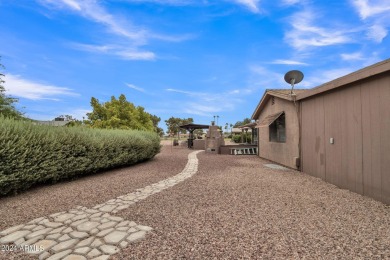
x=191, y=140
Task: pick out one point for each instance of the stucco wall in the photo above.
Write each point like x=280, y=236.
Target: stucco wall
x=283, y=153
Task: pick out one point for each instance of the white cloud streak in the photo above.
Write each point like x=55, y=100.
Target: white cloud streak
x=369, y=8
x=135, y=87
x=251, y=5
x=205, y=104
x=122, y=52
x=91, y=10
x=19, y=87
x=305, y=33
x=376, y=14
x=356, y=56
x=289, y=62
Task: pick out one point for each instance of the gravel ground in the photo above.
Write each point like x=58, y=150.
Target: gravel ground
x=233, y=208
x=90, y=190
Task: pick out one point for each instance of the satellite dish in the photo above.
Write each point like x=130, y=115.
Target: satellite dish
x=293, y=77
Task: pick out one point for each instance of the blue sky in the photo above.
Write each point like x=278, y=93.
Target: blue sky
x=181, y=58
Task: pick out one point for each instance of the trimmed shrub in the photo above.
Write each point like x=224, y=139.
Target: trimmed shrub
x=237, y=138
x=32, y=154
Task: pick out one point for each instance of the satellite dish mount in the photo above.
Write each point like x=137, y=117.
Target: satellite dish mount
x=293, y=77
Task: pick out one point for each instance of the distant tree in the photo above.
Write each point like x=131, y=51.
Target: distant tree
x=156, y=120
x=119, y=113
x=7, y=107
x=173, y=124
x=65, y=118
x=244, y=122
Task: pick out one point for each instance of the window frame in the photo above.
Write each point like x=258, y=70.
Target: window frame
x=277, y=130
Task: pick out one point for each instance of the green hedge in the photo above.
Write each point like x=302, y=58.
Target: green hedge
x=237, y=138
x=32, y=154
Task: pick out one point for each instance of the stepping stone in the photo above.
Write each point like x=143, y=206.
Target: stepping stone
x=144, y=228
x=52, y=224
x=53, y=236
x=60, y=255
x=79, y=217
x=116, y=219
x=107, y=249
x=115, y=237
x=63, y=217
x=96, y=243
x=44, y=255
x=38, y=228
x=39, y=232
x=136, y=236
x=67, y=230
x=75, y=257
x=107, y=225
x=64, y=238
x=123, y=244
x=94, y=253
x=104, y=232
x=82, y=250
x=42, y=245
x=11, y=230
x=107, y=208
x=102, y=257
x=35, y=221
x=57, y=230
x=64, y=245
x=28, y=227
x=85, y=242
x=77, y=234
x=87, y=226
x=14, y=236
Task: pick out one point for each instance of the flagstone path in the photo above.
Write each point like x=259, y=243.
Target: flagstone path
x=87, y=233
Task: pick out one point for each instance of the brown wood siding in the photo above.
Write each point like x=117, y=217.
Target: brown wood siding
x=358, y=118
x=313, y=154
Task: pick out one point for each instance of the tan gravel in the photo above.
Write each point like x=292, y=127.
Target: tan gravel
x=233, y=208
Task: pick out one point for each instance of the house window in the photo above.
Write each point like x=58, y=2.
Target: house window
x=277, y=129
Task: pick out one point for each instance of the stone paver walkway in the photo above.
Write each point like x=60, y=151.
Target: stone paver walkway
x=84, y=233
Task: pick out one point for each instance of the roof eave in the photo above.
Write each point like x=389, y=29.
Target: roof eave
x=267, y=94
x=370, y=71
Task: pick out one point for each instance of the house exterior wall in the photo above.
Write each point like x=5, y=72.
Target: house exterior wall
x=282, y=153
x=357, y=116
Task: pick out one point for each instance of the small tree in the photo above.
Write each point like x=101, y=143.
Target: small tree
x=173, y=124
x=244, y=122
x=119, y=113
x=7, y=107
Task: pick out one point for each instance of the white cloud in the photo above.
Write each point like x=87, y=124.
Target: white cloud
x=135, y=87
x=377, y=33
x=205, y=104
x=318, y=78
x=305, y=33
x=288, y=62
x=352, y=56
x=136, y=55
x=369, y=8
x=164, y=2
x=252, y=5
x=91, y=10
x=122, y=52
x=291, y=2
x=19, y=87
